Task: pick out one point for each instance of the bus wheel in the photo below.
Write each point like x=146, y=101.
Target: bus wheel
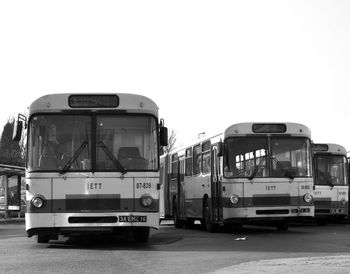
x=177, y=222
x=207, y=218
x=43, y=238
x=189, y=223
x=141, y=234
x=321, y=221
x=282, y=226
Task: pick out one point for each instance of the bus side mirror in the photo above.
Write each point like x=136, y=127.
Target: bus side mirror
x=17, y=131
x=18, y=128
x=220, y=149
x=163, y=136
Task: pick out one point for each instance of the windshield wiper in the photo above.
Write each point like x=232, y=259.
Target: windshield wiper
x=73, y=158
x=112, y=157
x=285, y=171
x=255, y=171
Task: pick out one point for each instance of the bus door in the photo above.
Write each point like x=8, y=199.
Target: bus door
x=215, y=184
x=162, y=188
x=181, y=189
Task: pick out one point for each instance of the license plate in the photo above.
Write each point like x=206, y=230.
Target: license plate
x=133, y=219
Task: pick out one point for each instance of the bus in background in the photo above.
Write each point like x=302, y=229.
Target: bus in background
x=253, y=173
x=92, y=165
x=331, y=191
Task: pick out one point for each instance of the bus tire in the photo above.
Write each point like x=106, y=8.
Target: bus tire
x=177, y=222
x=282, y=226
x=321, y=221
x=43, y=238
x=189, y=223
x=141, y=234
x=207, y=217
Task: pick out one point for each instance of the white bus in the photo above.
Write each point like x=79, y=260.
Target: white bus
x=252, y=173
x=92, y=165
x=331, y=191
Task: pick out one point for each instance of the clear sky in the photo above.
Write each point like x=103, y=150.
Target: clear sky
x=207, y=64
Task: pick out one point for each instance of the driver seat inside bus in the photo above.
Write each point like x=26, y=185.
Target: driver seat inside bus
x=130, y=158
x=48, y=159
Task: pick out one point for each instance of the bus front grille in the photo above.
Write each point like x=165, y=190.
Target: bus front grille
x=323, y=203
x=88, y=202
x=272, y=212
x=279, y=200
x=92, y=219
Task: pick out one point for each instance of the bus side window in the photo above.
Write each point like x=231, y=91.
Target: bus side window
x=197, y=160
x=206, y=157
x=189, y=161
x=174, y=165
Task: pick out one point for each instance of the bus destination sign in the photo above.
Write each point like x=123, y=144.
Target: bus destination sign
x=93, y=101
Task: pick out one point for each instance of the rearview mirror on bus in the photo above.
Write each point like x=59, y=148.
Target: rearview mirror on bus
x=220, y=149
x=17, y=131
x=18, y=128
x=163, y=136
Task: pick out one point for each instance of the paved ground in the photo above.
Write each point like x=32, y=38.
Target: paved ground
x=315, y=265
x=310, y=265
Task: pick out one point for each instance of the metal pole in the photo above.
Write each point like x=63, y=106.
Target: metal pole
x=6, y=185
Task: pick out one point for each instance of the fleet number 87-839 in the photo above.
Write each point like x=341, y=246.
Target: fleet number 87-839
x=143, y=185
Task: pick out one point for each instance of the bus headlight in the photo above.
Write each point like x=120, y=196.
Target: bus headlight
x=308, y=198
x=146, y=200
x=234, y=199
x=38, y=201
x=343, y=202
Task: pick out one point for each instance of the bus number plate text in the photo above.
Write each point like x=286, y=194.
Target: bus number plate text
x=143, y=185
x=133, y=219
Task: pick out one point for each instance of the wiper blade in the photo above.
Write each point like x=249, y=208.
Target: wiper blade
x=285, y=171
x=112, y=157
x=288, y=174
x=73, y=158
x=255, y=171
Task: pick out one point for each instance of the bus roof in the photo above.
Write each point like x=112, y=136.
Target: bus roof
x=329, y=148
x=251, y=128
x=123, y=101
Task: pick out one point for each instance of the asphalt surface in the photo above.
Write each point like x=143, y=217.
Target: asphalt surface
x=310, y=265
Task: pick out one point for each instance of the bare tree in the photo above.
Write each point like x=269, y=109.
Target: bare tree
x=11, y=153
x=171, y=142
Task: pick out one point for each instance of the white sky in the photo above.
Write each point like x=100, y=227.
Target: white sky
x=207, y=64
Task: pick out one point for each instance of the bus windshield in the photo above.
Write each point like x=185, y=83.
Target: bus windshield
x=267, y=156
x=330, y=170
x=65, y=143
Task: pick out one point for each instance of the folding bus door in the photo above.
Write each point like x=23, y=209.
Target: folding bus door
x=215, y=184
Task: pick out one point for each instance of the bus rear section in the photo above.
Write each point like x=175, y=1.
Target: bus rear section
x=331, y=191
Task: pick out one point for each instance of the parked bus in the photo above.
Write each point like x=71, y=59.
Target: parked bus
x=92, y=165
x=331, y=191
x=253, y=173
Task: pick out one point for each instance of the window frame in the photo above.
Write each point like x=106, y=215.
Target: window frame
x=206, y=155
x=189, y=162
x=197, y=160
x=92, y=137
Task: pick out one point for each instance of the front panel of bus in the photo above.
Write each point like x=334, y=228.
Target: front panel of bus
x=267, y=177
x=331, y=185
x=92, y=169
